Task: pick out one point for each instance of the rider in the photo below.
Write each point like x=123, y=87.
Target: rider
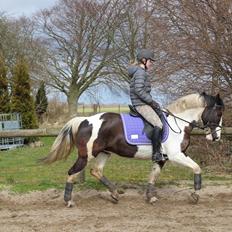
x=140, y=94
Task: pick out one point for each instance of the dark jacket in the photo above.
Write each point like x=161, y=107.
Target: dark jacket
x=140, y=86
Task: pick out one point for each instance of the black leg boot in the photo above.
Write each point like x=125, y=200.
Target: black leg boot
x=157, y=156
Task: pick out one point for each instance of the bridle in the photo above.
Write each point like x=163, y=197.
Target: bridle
x=193, y=124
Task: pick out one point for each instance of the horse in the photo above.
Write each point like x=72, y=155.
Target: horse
x=101, y=135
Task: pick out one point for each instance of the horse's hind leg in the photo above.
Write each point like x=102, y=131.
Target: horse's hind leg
x=73, y=172
x=97, y=171
x=150, y=193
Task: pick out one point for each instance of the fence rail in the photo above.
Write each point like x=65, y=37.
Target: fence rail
x=53, y=132
x=43, y=132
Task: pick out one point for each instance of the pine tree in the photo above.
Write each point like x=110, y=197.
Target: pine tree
x=4, y=94
x=41, y=101
x=21, y=100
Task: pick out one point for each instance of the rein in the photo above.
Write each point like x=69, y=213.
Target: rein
x=193, y=124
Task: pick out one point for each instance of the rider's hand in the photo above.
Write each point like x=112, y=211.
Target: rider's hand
x=155, y=105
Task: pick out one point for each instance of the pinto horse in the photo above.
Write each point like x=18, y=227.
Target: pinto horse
x=101, y=135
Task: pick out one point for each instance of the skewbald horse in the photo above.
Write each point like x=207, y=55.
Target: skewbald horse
x=101, y=135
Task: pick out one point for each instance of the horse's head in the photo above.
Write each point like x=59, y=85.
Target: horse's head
x=212, y=116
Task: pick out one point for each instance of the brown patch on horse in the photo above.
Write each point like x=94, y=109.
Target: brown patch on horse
x=81, y=139
x=186, y=141
x=78, y=166
x=111, y=137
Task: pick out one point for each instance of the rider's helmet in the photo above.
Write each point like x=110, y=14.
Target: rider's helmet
x=145, y=54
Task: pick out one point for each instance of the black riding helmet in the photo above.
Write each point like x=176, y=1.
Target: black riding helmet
x=145, y=54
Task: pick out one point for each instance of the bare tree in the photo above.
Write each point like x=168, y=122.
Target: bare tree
x=78, y=35
x=133, y=33
x=18, y=39
x=197, y=34
x=86, y=43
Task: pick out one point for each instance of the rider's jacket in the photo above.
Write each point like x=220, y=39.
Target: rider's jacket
x=140, y=86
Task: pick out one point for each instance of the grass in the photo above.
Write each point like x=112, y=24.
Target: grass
x=20, y=171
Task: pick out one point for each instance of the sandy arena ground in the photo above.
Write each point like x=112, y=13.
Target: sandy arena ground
x=45, y=211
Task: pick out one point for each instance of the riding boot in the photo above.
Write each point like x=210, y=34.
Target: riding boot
x=156, y=145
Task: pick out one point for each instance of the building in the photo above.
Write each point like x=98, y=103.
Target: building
x=10, y=122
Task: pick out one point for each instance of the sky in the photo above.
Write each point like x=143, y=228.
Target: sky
x=17, y=8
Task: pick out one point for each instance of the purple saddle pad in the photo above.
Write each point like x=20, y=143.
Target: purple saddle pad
x=133, y=130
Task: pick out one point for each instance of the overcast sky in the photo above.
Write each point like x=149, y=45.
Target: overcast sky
x=24, y=7
x=16, y=8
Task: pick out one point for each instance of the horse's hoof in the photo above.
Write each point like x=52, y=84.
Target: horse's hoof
x=121, y=191
x=195, y=197
x=115, y=197
x=70, y=204
x=153, y=200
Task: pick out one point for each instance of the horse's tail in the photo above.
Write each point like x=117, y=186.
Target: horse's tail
x=64, y=142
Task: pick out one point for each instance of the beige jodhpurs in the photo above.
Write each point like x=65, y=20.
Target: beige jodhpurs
x=150, y=115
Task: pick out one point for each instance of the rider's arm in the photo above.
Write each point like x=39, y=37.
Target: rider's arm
x=140, y=89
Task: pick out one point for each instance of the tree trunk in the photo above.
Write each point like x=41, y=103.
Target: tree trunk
x=72, y=101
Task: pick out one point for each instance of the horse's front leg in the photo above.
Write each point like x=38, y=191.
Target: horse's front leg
x=186, y=161
x=97, y=171
x=150, y=193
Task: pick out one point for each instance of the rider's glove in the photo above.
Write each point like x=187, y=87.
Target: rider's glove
x=154, y=105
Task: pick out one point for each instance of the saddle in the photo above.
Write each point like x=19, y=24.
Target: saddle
x=138, y=131
x=148, y=127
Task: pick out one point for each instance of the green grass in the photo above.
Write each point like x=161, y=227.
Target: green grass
x=20, y=171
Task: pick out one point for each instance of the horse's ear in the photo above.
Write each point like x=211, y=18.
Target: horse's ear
x=203, y=93
x=219, y=101
x=218, y=96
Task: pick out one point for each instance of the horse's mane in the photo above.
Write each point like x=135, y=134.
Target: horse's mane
x=190, y=101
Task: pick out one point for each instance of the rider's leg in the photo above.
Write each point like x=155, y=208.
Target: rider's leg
x=156, y=145
x=151, y=116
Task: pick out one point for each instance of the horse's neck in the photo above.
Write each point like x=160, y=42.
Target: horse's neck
x=191, y=114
